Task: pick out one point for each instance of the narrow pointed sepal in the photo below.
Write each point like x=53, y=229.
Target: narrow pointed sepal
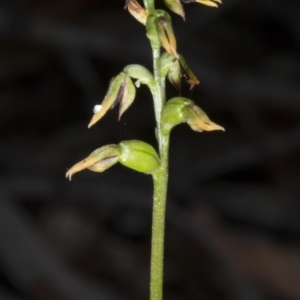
x=98, y=161
x=137, y=11
x=187, y=73
x=176, y=7
x=211, y=3
x=198, y=120
x=109, y=100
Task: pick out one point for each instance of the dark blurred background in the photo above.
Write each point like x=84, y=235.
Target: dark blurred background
x=233, y=210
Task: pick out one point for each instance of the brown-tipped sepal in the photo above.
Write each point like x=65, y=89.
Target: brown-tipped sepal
x=176, y=7
x=179, y=110
x=187, y=73
x=139, y=156
x=98, y=161
x=177, y=68
x=137, y=11
x=110, y=99
x=211, y=3
x=198, y=120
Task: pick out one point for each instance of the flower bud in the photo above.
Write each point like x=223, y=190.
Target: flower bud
x=98, y=161
x=172, y=112
x=176, y=7
x=178, y=110
x=137, y=11
x=139, y=156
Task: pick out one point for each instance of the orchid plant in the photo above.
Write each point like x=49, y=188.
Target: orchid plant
x=136, y=154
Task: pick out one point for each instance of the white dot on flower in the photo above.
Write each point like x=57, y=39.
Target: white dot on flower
x=97, y=108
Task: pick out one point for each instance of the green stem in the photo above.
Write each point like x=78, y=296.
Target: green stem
x=160, y=181
x=160, y=177
x=149, y=6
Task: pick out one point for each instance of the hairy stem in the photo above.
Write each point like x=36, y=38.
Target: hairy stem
x=160, y=180
x=160, y=177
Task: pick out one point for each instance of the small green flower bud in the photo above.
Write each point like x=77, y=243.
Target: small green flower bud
x=139, y=156
x=172, y=112
x=176, y=7
x=98, y=161
x=178, y=110
x=137, y=11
